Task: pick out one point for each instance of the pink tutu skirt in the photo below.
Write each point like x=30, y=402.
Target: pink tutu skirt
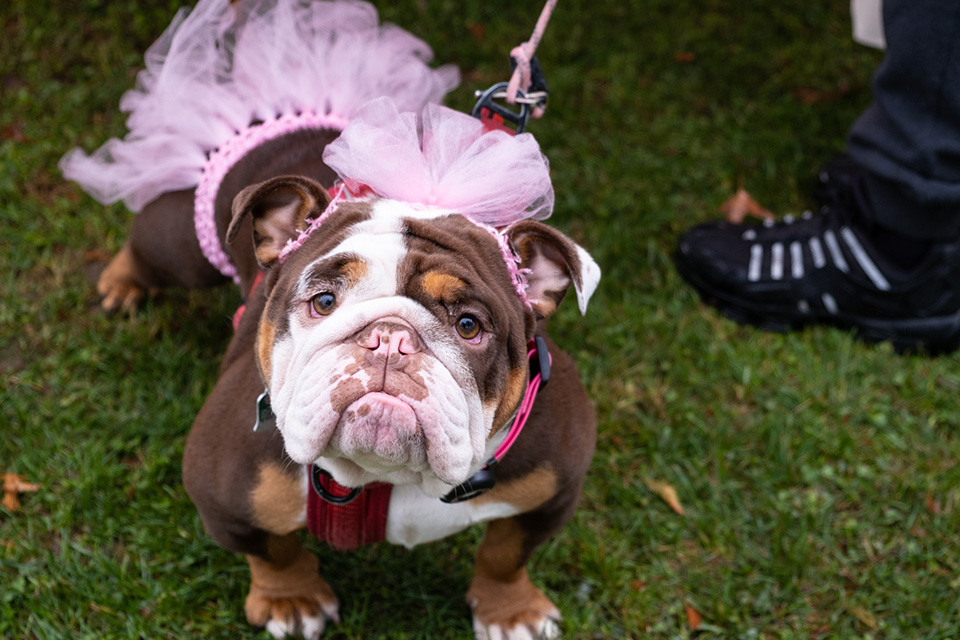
x=221, y=66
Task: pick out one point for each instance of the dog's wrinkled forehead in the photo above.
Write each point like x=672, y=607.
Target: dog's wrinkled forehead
x=390, y=248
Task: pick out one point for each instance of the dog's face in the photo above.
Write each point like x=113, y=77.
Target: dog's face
x=393, y=342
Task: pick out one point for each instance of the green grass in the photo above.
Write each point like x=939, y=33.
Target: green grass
x=819, y=475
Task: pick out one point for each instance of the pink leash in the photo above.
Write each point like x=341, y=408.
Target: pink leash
x=523, y=53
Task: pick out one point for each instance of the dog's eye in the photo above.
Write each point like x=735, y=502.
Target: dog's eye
x=323, y=303
x=468, y=327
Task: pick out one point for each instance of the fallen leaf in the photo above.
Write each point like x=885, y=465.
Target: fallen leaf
x=478, y=31
x=685, y=56
x=742, y=204
x=865, y=617
x=667, y=492
x=637, y=585
x=693, y=618
x=933, y=505
x=13, y=486
x=96, y=255
x=13, y=132
x=810, y=96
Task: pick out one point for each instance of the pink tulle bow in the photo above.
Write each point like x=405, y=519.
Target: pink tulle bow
x=447, y=160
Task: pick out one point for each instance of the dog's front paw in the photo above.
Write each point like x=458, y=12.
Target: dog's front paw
x=290, y=600
x=304, y=616
x=546, y=628
x=511, y=611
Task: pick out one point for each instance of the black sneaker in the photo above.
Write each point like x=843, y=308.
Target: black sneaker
x=824, y=269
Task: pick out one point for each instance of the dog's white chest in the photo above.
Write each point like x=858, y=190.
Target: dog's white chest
x=414, y=518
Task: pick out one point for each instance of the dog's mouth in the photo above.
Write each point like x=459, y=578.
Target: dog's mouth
x=381, y=432
x=411, y=421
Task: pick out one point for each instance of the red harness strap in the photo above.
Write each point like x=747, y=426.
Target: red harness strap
x=360, y=522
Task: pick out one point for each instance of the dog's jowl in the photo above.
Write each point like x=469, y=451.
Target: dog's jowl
x=392, y=347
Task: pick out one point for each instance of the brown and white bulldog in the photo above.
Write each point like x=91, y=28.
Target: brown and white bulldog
x=393, y=348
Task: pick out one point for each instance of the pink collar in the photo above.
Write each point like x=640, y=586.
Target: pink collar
x=485, y=479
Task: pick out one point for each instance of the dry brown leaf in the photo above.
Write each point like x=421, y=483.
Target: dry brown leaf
x=932, y=504
x=96, y=255
x=865, y=617
x=13, y=486
x=13, y=132
x=666, y=492
x=693, y=618
x=811, y=96
x=742, y=204
x=478, y=31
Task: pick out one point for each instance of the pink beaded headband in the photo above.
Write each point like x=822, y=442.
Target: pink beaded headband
x=518, y=275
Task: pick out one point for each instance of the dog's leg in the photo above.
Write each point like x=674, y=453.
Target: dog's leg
x=287, y=596
x=504, y=601
x=161, y=250
x=253, y=500
x=119, y=286
x=257, y=512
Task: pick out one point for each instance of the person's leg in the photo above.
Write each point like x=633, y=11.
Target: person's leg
x=908, y=140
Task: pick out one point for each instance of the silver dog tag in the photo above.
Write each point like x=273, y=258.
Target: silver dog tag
x=265, y=416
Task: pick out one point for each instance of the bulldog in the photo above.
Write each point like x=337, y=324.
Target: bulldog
x=394, y=349
x=390, y=377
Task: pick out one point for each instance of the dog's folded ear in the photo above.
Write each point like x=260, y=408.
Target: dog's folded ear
x=281, y=208
x=552, y=261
